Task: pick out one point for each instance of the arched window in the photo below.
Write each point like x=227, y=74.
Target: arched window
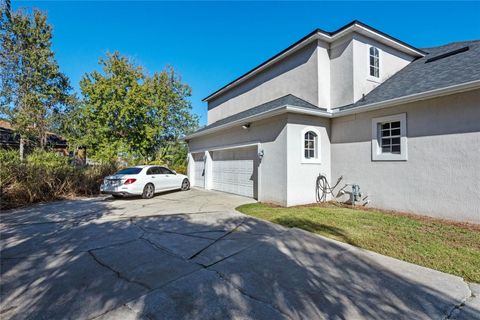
x=374, y=62
x=311, y=145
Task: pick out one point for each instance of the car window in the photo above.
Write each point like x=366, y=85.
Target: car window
x=153, y=170
x=165, y=170
x=133, y=170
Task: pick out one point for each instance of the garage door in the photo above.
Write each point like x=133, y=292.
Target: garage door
x=199, y=170
x=235, y=171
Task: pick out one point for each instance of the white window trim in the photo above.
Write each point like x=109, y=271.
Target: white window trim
x=377, y=154
x=370, y=77
x=316, y=160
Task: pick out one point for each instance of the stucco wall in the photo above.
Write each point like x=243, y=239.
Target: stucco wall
x=441, y=177
x=326, y=75
x=302, y=176
x=296, y=74
x=391, y=61
x=272, y=135
x=341, y=72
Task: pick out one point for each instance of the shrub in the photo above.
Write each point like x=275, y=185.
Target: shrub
x=46, y=176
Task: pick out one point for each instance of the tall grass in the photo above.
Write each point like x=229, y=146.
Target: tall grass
x=45, y=176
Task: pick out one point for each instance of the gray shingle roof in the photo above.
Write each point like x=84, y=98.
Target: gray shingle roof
x=421, y=76
x=289, y=100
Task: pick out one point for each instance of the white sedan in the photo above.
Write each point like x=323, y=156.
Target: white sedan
x=144, y=181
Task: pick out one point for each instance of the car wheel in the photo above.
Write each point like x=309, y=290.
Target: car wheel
x=185, y=184
x=148, y=191
x=117, y=196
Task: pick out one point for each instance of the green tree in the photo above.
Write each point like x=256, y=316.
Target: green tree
x=173, y=153
x=127, y=114
x=32, y=87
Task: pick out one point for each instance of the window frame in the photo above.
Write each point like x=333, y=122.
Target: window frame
x=153, y=171
x=377, y=153
x=373, y=77
x=317, y=145
x=165, y=170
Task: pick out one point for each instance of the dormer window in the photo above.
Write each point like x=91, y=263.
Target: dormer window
x=374, y=62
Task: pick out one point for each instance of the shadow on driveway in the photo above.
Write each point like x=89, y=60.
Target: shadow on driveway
x=87, y=259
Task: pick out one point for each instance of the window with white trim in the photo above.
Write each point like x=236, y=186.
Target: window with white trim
x=374, y=58
x=311, y=145
x=389, y=138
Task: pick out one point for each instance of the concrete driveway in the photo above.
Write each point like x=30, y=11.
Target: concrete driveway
x=190, y=255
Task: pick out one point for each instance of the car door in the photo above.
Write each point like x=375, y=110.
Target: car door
x=154, y=175
x=170, y=178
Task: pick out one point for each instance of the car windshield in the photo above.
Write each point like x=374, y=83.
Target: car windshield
x=130, y=171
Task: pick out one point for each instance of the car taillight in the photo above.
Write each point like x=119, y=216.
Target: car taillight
x=130, y=181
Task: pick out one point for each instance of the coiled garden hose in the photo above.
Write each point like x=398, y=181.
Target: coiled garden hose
x=323, y=188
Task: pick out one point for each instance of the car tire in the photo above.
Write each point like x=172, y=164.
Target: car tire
x=185, y=185
x=148, y=191
x=117, y=196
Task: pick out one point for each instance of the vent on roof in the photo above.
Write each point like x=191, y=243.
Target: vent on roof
x=447, y=54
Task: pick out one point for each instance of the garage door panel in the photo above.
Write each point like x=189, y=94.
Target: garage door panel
x=199, y=170
x=234, y=171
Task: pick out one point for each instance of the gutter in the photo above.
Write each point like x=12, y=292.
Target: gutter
x=260, y=116
x=335, y=113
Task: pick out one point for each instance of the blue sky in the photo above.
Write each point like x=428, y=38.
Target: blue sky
x=211, y=43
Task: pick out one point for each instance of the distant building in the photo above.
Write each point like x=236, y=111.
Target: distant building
x=9, y=139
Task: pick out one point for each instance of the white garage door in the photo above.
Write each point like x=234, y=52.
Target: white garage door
x=235, y=171
x=199, y=170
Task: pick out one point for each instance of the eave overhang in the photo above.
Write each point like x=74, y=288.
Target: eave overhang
x=334, y=113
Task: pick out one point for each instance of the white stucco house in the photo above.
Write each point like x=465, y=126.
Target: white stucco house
x=356, y=106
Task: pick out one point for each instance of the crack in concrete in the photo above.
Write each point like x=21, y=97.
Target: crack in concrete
x=164, y=250
x=459, y=306
x=207, y=231
x=227, y=257
x=142, y=295
x=181, y=234
x=119, y=275
x=66, y=252
x=239, y=289
x=53, y=222
x=215, y=241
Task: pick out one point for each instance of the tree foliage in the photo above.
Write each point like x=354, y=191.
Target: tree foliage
x=32, y=87
x=127, y=114
x=122, y=113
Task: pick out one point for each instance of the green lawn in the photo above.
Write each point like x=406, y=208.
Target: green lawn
x=448, y=247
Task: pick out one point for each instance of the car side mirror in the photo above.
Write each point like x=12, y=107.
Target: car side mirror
x=174, y=172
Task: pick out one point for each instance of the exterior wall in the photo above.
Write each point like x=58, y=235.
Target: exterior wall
x=441, y=177
x=302, y=176
x=323, y=75
x=391, y=61
x=326, y=75
x=296, y=74
x=272, y=136
x=341, y=72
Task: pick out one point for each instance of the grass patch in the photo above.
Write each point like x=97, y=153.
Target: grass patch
x=449, y=247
